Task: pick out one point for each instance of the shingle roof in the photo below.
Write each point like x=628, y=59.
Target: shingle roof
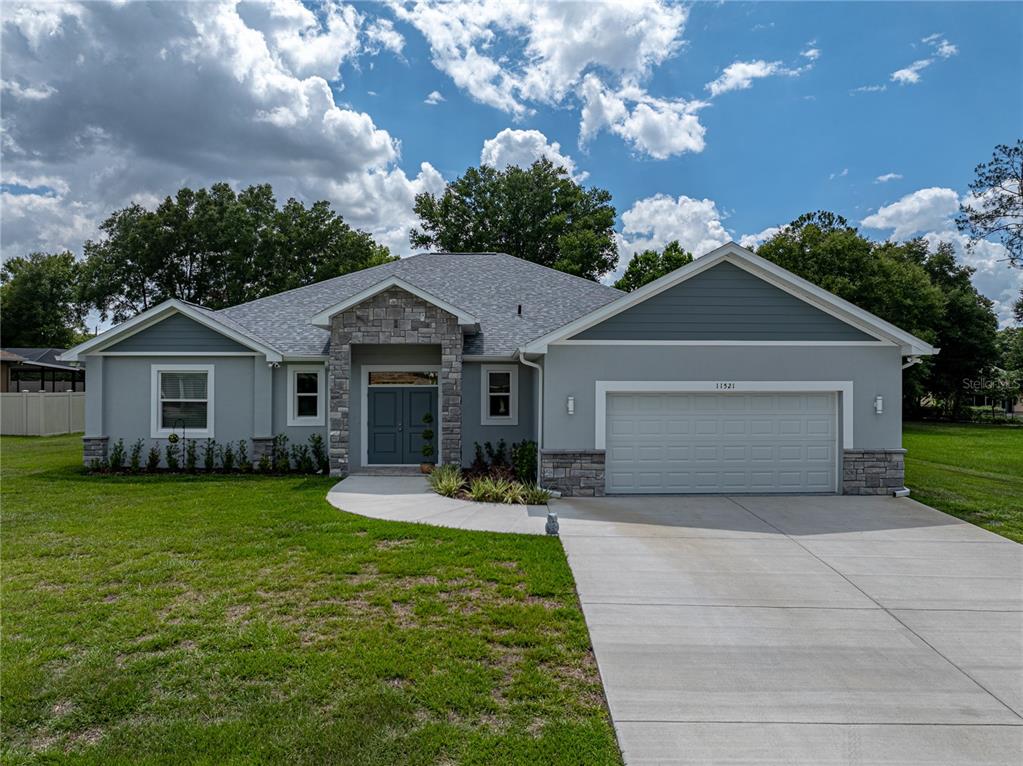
x=489, y=285
x=47, y=357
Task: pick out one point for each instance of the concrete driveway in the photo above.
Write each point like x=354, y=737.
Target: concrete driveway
x=801, y=630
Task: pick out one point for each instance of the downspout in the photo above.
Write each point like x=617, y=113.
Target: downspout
x=539, y=411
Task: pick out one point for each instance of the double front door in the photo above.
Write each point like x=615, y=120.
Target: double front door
x=395, y=426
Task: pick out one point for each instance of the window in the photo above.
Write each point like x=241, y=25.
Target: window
x=182, y=400
x=500, y=395
x=305, y=395
x=402, y=378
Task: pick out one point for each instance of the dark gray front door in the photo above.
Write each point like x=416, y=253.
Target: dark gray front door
x=395, y=424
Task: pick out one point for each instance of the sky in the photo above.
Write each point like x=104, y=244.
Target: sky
x=707, y=122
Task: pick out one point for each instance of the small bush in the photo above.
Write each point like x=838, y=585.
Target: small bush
x=319, y=453
x=209, y=455
x=487, y=489
x=523, y=455
x=497, y=456
x=190, y=456
x=153, y=459
x=227, y=458
x=512, y=494
x=533, y=494
x=265, y=465
x=171, y=456
x=135, y=459
x=301, y=459
x=279, y=462
x=479, y=463
x=447, y=480
x=116, y=459
x=244, y=464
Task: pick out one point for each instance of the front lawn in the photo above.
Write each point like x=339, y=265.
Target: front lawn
x=974, y=472
x=241, y=619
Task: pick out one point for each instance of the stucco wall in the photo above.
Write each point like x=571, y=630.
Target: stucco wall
x=572, y=371
x=473, y=429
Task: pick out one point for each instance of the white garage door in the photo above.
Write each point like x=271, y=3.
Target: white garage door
x=680, y=442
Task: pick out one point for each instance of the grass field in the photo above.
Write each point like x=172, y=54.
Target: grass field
x=974, y=472
x=236, y=620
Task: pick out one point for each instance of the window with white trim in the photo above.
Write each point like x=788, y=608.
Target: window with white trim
x=500, y=395
x=182, y=397
x=305, y=395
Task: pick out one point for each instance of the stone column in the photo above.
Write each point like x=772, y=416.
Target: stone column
x=339, y=373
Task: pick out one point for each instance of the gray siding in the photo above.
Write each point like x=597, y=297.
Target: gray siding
x=574, y=370
x=472, y=428
x=723, y=303
x=178, y=333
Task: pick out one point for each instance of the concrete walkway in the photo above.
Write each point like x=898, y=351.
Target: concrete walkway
x=779, y=630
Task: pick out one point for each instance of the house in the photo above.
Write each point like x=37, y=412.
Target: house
x=730, y=374
x=38, y=370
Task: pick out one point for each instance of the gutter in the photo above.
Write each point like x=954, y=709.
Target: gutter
x=539, y=411
x=912, y=360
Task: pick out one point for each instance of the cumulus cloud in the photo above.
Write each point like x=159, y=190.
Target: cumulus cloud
x=653, y=222
x=929, y=213
x=433, y=98
x=753, y=241
x=741, y=74
x=886, y=177
x=911, y=75
x=381, y=35
x=523, y=148
x=149, y=97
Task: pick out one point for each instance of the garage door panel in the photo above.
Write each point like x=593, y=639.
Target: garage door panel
x=671, y=443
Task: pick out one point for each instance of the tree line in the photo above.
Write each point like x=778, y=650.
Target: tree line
x=218, y=248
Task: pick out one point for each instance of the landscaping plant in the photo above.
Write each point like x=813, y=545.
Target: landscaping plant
x=191, y=455
x=209, y=455
x=447, y=480
x=153, y=459
x=116, y=460
x=135, y=461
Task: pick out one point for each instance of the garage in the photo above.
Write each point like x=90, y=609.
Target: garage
x=670, y=443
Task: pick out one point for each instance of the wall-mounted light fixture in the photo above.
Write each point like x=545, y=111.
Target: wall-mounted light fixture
x=879, y=405
x=571, y=405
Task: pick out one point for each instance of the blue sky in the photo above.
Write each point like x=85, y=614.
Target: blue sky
x=812, y=104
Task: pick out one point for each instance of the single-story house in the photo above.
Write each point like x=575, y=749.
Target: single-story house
x=729, y=375
x=38, y=370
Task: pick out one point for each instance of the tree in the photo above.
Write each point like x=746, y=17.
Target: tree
x=537, y=213
x=996, y=206
x=218, y=248
x=39, y=301
x=650, y=265
x=926, y=293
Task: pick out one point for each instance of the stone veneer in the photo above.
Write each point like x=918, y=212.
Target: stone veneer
x=260, y=446
x=873, y=471
x=394, y=316
x=94, y=448
x=573, y=473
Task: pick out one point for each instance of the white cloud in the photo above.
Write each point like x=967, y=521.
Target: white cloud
x=653, y=222
x=753, y=241
x=870, y=89
x=941, y=46
x=741, y=74
x=433, y=98
x=523, y=148
x=27, y=92
x=911, y=74
x=886, y=177
x=660, y=128
x=208, y=84
x=811, y=53
x=381, y=35
x=841, y=174
x=917, y=212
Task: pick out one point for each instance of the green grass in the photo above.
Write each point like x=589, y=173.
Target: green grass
x=974, y=472
x=241, y=619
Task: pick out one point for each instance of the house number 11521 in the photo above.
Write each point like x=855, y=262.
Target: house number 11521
x=724, y=386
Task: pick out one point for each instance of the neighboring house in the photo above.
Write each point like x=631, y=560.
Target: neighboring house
x=728, y=375
x=38, y=370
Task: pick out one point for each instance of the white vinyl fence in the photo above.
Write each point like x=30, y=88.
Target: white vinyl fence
x=42, y=414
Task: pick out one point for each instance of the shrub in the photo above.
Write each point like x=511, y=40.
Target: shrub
x=190, y=455
x=447, y=480
x=497, y=456
x=487, y=489
x=135, y=459
x=302, y=459
x=209, y=455
x=227, y=458
x=264, y=463
x=523, y=455
x=153, y=459
x=512, y=493
x=116, y=459
x=244, y=464
x=533, y=494
x=171, y=456
x=319, y=453
x=479, y=463
x=279, y=454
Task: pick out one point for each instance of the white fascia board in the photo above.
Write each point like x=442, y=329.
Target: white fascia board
x=156, y=315
x=322, y=319
x=760, y=267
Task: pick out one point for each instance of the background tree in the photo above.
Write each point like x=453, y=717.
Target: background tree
x=649, y=265
x=218, y=248
x=39, y=305
x=926, y=293
x=537, y=213
x=995, y=209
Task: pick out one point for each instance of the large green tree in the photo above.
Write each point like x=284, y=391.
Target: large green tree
x=649, y=265
x=39, y=304
x=537, y=213
x=926, y=293
x=217, y=248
